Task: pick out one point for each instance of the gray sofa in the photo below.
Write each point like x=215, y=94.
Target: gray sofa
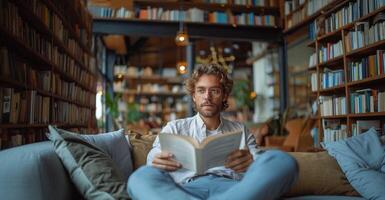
x=34, y=172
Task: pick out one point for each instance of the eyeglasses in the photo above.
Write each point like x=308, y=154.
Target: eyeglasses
x=213, y=92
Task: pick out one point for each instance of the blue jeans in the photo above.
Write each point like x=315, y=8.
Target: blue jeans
x=270, y=176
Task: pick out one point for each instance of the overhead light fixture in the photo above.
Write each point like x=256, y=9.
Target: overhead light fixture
x=181, y=66
x=182, y=38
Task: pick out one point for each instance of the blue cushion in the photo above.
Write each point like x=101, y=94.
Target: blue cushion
x=362, y=159
x=34, y=172
x=115, y=145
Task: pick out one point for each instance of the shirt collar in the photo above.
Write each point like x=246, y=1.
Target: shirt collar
x=201, y=124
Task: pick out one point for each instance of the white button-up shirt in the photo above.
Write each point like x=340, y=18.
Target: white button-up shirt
x=196, y=128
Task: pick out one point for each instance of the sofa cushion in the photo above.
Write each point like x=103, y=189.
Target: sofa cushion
x=141, y=145
x=319, y=174
x=34, y=172
x=91, y=169
x=115, y=145
x=362, y=159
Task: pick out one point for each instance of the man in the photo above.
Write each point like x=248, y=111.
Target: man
x=243, y=176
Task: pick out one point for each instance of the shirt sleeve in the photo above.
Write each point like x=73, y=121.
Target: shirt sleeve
x=251, y=144
x=156, y=145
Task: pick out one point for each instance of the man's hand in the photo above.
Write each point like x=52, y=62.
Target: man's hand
x=164, y=160
x=239, y=160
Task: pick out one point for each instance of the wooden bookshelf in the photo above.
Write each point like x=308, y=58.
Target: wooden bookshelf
x=173, y=5
x=371, y=85
x=195, y=29
x=307, y=19
x=38, y=65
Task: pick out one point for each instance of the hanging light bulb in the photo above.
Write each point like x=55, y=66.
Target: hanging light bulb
x=181, y=38
x=181, y=66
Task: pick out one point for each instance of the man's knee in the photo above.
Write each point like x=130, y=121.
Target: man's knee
x=279, y=159
x=142, y=175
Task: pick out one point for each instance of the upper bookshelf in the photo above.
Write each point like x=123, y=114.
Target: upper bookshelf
x=299, y=13
x=253, y=21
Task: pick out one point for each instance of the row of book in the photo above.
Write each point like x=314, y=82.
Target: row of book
x=332, y=106
x=108, y=12
x=23, y=107
x=368, y=67
x=11, y=138
x=330, y=51
x=13, y=21
x=240, y=2
x=199, y=15
x=333, y=129
x=15, y=67
x=353, y=11
x=315, y=5
x=51, y=18
x=332, y=78
x=65, y=112
x=361, y=126
x=291, y=5
x=69, y=90
x=311, y=7
x=367, y=100
x=33, y=107
x=362, y=35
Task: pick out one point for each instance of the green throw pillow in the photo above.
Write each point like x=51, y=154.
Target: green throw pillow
x=93, y=172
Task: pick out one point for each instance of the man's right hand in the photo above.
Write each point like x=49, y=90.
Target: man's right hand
x=164, y=160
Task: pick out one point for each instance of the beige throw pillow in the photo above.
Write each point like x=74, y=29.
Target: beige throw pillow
x=320, y=174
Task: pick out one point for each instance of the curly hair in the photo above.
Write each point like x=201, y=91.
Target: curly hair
x=211, y=69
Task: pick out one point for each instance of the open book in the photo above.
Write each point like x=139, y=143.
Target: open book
x=212, y=152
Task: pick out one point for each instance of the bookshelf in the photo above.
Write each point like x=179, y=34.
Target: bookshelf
x=159, y=99
x=263, y=12
x=47, y=71
x=300, y=13
x=350, y=86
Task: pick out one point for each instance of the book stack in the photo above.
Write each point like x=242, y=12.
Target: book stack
x=367, y=100
x=361, y=126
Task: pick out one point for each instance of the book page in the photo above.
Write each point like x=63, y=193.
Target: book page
x=215, y=152
x=182, y=148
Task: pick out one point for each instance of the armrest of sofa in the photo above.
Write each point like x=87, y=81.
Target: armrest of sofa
x=34, y=172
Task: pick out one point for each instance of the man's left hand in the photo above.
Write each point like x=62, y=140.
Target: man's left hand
x=239, y=160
